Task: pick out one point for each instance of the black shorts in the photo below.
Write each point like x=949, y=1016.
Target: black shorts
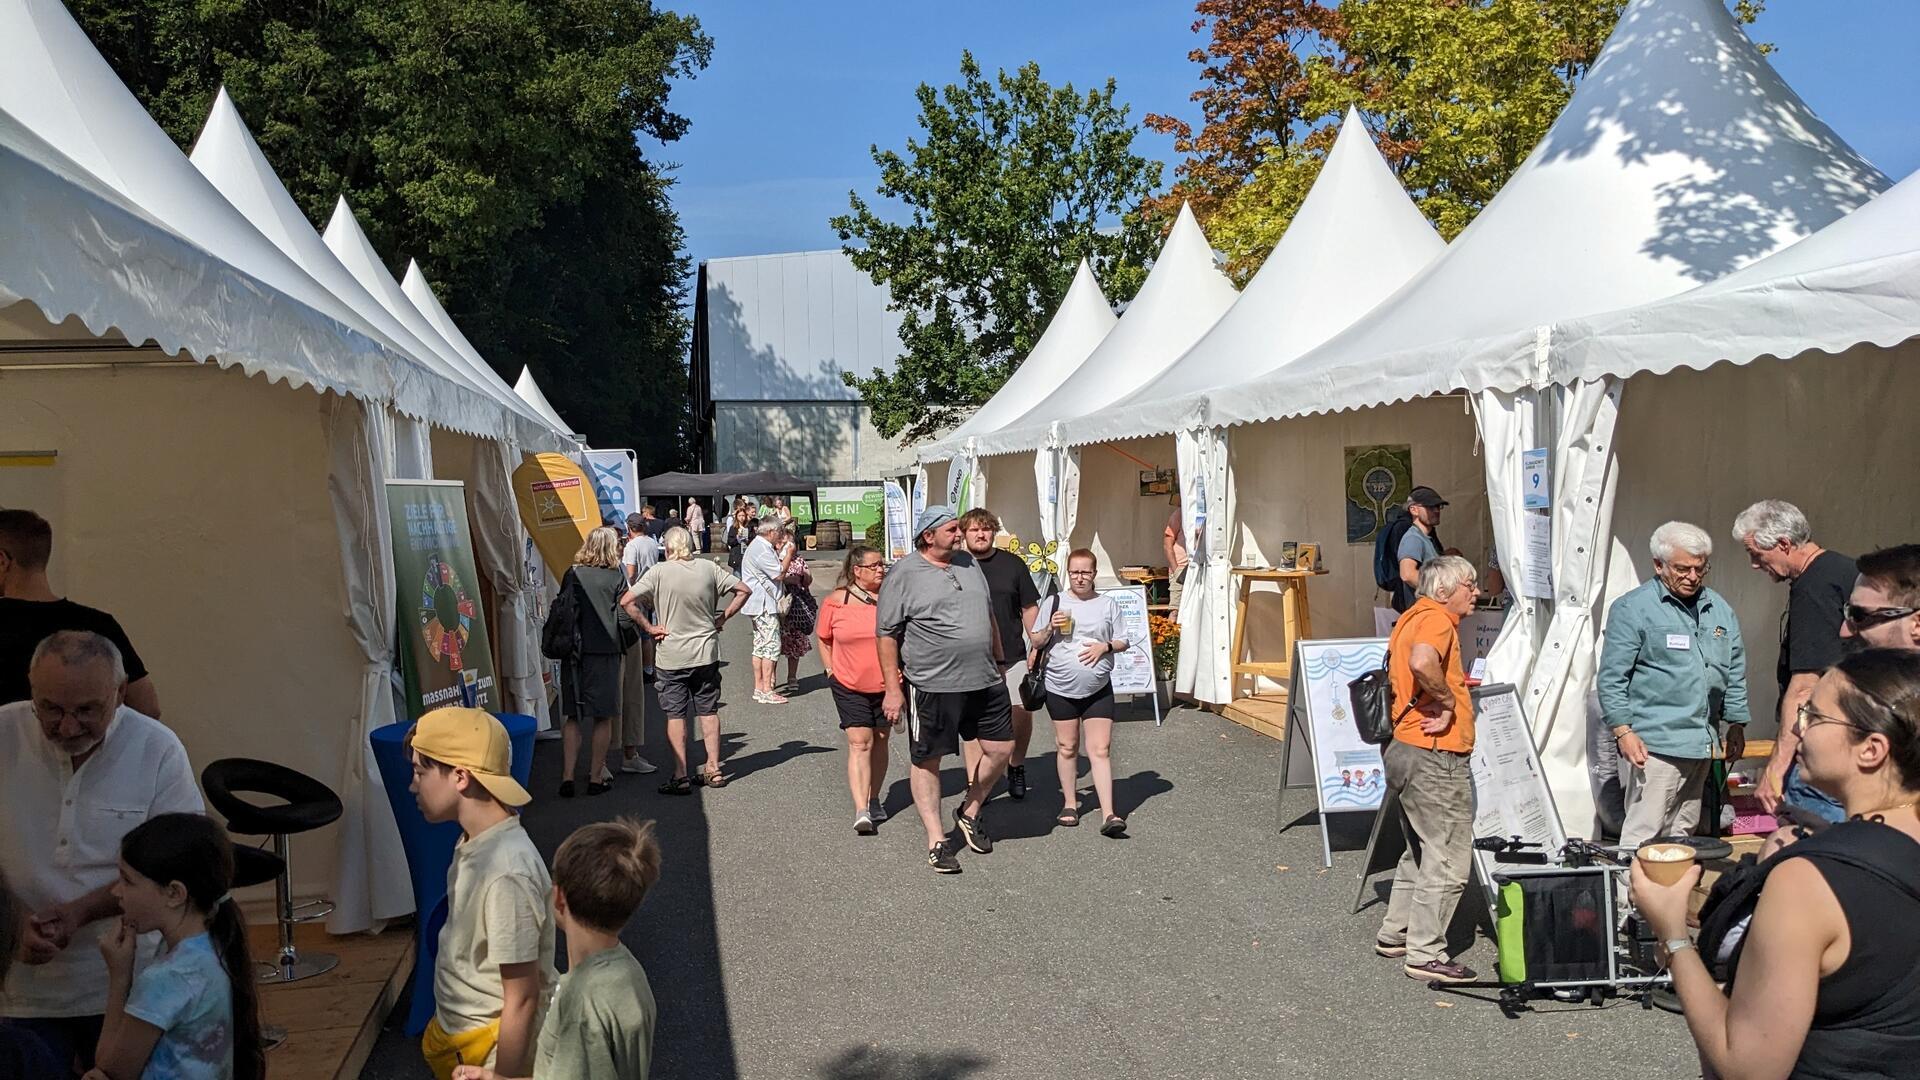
x=937, y=720
x=1097, y=706
x=688, y=692
x=857, y=708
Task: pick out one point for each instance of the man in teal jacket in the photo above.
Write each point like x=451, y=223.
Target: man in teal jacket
x=1672, y=669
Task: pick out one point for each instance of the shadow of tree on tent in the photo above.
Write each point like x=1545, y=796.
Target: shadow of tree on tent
x=1714, y=219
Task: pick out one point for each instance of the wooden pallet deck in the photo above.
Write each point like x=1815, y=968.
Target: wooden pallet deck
x=332, y=1020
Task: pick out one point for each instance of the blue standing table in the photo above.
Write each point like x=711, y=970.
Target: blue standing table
x=429, y=847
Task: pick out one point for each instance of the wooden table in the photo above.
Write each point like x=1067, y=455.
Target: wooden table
x=1295, y=619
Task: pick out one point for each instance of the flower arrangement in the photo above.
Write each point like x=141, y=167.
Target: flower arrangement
x=1166, y=644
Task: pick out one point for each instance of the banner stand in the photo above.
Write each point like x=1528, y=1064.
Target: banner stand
x=1348, y=774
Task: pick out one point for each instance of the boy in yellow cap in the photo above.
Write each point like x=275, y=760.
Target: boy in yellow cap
x=495, y=970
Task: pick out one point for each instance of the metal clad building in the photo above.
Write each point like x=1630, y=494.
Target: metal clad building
x=771, y=336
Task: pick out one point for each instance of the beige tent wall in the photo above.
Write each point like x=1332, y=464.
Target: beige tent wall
x=193, y=506
x=1116, y=522
x=936, y=485
x=1012, y=496
x=1831, y=434
x=1290, y=484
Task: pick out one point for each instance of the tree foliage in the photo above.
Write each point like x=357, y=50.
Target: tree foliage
x=1455, y=92
x=1007, y=188
x=493, y=140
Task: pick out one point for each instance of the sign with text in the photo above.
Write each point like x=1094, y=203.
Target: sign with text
x=615, y=478
x=1133, y=669
x=1510, y=792
x=1535, y=492
x=859, y=505
x=557, y=507
x=898, y=540
x=1349, y=773
x=445, y=658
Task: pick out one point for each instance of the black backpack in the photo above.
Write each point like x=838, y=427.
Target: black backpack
x=1386, y=557
x=560, y=634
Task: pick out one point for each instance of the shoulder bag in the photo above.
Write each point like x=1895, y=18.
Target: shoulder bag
x=1033, y=685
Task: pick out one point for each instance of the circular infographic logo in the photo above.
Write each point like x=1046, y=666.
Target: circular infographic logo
x=446, y=613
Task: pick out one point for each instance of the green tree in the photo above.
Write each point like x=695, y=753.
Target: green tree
x=493, y=140
x=1007, y=189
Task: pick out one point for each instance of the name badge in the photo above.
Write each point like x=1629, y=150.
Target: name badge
x=1679, y=641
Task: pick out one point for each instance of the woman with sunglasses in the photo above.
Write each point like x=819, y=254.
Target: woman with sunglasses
x=1827, y=983
x=1085, y=630
x=850, y=651
x=1883, y=611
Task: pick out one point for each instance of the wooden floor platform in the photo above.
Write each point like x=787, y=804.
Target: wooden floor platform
x=1264, y=713
x=332, y=1020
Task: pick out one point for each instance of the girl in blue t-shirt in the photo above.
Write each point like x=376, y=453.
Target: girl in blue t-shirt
x=191, y=1014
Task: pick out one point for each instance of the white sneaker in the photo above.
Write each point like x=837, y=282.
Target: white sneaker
x=760, y=696
x=638, y=764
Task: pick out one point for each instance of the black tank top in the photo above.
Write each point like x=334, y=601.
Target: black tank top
x=1866, y=1020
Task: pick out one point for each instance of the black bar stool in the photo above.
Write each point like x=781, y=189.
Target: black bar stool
x=309, y=804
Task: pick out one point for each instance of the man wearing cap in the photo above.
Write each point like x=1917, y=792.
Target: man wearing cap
x=940, y=661
x=1420, y=544
x=494, y=974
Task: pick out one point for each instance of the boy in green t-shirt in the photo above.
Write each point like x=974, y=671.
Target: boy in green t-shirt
x=601, y=1023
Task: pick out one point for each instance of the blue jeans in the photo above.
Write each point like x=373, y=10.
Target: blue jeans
x=1807, y=797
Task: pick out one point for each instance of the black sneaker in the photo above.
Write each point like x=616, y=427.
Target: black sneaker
x=1016, y=781
x=940, y=857
x=975, y=831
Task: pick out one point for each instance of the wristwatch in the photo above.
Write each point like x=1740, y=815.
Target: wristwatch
x=1675, y=945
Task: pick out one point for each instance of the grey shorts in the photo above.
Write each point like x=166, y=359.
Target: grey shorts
x=688, y=692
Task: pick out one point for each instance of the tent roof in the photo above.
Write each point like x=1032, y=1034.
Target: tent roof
x=1355, y=239
x=421, y=296
x=759, y=482
x=1082, y=321
x=83, y=145
x=530, y=392
x=349, y=243
x=227, y=155
x=1183, y=296
x=1681, y=157
x=1857, y=280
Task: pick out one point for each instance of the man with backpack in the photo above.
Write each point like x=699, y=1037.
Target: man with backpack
x=1408, y=541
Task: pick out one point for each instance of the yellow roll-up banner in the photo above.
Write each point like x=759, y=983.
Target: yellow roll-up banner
x=557, y=506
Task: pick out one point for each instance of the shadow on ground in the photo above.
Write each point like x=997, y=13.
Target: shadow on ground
x=873, y=1063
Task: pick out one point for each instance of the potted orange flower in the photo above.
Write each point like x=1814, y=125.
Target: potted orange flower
x=1165, y=635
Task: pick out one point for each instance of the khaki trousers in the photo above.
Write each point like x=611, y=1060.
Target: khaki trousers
x=633, y=697
x=1436, y=805
x=1663, y=798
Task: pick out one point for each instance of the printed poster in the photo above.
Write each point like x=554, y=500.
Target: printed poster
x=1348, y=772
x=445, y=656
x=859, y=505
x=1133, y=669
x=1378, y=478
x=899, y=543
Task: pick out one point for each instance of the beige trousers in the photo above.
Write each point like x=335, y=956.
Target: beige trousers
x=1436, y=804
x=1663, y=798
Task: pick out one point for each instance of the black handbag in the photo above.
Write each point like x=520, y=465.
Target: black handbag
x=1033, y=685
x=1372, y=698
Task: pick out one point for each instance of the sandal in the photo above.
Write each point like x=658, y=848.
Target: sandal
x=1068, y=816
x=714, y=778
x=678, y=785
x=1115, y=826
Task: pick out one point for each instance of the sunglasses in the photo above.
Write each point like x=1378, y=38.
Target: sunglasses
x=1866, y=618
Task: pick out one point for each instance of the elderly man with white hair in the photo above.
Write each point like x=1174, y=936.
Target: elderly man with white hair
x=78, y=770
x=1779, y=544
x=1672, y=670
x=763, y=567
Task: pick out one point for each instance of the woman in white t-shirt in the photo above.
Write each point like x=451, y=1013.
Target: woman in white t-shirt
x=1085, y=630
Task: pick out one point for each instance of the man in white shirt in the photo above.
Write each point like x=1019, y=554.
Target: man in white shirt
x=78, y=770
x=763, y=567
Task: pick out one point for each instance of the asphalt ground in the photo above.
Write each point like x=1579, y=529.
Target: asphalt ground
x=1209, y=944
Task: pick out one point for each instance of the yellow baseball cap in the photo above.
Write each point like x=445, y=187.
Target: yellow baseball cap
x=473, y=740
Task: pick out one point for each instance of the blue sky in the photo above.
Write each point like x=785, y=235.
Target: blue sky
x=797, y=91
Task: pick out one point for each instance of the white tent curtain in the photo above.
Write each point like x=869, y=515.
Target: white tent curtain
x=369, y=884
x=1558, y=689
x=412, y=448
x=977, y=480
x=500, y=548
x=1206, y=604
x=1508, y=427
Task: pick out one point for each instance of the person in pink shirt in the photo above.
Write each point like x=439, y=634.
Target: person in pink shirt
x=847, y=629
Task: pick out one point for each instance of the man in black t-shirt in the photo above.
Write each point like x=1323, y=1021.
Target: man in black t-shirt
x=1779, y=543
x=1014, y=599
x=30, y=612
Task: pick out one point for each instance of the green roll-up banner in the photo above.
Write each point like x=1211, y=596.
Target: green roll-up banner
x=446, y=657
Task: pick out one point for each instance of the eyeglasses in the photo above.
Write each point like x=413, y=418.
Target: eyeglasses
x=88, y=714
x=1806, y=716
x=880, y=566
x=1866, y=618
x=1690, y=571
x=1080, y=573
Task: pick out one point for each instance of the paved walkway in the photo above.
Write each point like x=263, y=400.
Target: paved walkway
x=1210, y=945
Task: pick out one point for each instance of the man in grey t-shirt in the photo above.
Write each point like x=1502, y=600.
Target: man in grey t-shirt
x=935, y=623
x=1420, y=544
